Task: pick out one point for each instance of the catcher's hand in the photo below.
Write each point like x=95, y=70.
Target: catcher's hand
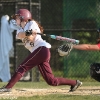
x=64, y=50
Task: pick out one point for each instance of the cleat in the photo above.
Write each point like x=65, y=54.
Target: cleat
x=3, y=89
x=73, y=88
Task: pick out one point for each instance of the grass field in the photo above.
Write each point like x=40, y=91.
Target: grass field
x=54, y=95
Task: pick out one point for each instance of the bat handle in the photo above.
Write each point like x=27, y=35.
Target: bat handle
x=42, y=34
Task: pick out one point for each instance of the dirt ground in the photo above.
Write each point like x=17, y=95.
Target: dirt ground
x=15, y=93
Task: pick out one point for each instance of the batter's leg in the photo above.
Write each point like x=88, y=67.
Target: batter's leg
x=48, y=76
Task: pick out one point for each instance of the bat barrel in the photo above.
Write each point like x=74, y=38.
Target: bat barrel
x=77, y=41
x=74, y=41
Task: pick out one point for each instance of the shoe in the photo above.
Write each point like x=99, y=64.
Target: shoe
x=73, y=88
x=3, y=89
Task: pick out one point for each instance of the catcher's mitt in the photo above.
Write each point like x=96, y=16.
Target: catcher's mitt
x=95, y=71
x=64, y=50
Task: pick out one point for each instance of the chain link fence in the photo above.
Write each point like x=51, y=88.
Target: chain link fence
x=74, y=19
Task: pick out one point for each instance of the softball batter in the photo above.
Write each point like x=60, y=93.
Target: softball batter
x=39, y=56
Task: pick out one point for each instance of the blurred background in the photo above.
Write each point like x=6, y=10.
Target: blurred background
x=77, y=19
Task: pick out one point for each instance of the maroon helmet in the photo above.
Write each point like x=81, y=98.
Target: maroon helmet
x=24, y=14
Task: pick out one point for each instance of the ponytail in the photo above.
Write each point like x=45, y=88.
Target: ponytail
x=40, y=27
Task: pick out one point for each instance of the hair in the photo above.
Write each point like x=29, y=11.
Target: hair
x=39, y=25
x=41, y=28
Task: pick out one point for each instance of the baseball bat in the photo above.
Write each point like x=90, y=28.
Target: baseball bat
x=60, y=38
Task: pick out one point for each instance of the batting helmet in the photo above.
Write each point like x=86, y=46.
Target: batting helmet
x=24, y=14
x=95, y=71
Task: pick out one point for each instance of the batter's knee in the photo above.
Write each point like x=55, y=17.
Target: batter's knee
x=53, y=82
x=21, y=71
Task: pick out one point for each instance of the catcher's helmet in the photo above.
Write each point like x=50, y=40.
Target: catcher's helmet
x=24, y=14
x=95, y=71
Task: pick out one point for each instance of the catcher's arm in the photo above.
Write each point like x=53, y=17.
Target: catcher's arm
x=64, y=50
x=86, y=47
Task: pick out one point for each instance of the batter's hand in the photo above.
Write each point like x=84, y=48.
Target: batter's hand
x=28, y=32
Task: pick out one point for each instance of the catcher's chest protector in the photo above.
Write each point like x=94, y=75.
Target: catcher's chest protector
x=95, y=71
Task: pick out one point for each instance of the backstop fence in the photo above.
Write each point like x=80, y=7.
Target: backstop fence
x=70, y=18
